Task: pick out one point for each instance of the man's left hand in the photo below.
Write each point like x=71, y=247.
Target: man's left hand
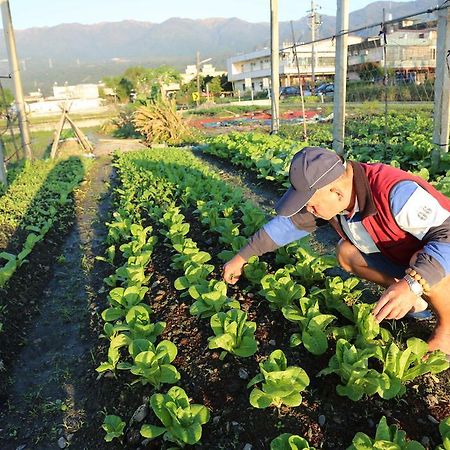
x=396, y=302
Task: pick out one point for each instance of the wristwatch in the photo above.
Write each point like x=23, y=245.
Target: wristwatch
x=414, y=285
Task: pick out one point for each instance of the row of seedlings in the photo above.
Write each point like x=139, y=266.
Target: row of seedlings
x=129, y=326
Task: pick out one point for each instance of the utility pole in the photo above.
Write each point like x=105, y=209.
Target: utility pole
x=385, y=81
x=313, y=23
x=15, y=72
x=441, y=89
x=340, y=79
x=275, y=66
x=300, y=87
x=197, y=65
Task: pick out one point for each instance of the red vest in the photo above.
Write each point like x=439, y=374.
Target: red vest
x=396, y=244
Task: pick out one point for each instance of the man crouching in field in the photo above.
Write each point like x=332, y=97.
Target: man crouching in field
x=394, y=228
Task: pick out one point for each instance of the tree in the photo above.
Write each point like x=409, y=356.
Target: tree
x=215, y=86
x=6, y=98
x=145, y=82
x=370, y=72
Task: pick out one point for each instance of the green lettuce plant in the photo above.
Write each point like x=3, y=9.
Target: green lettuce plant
x=182, y=422
x=313, y=324
x=122, y=300
x=152, y=364
x=210, y=298
x=233, y=333
x=287, y=441
x=351, y=364
x=114, y=426
x=338, y=295
x=255, y=270
x=405, y=365
x=280, y=290
x=444, y=429
x=281, y=385
x=386, y=437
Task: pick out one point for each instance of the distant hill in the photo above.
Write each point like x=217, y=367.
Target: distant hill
x=85, y=53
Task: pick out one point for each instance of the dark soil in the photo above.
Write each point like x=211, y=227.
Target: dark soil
x=324, y=418
x=46, y=346
x=67, y=406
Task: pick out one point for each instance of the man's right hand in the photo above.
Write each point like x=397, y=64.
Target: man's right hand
x=232, y=270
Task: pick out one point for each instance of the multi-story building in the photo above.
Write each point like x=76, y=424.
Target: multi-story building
x=251, y=71
x=410, y=53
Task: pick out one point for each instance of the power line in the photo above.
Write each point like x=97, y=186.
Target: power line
x=374, y=25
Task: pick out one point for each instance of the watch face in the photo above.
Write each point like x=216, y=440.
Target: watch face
x=415, y=286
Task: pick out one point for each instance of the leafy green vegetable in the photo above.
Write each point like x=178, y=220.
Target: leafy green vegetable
x=182, y=422
x=113, y=425
x=233, y=333
x=386, y=437
x=281, y=385
x=288, y=441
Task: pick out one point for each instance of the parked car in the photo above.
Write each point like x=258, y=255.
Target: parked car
x=325, y=89
x=288, y=91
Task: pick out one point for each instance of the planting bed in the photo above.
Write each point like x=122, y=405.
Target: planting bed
x=153, y=192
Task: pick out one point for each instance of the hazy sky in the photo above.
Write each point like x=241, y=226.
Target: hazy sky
x=40, y=13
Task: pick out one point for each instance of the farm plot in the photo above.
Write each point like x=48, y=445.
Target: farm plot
x=35, y=212
x=288, y=350
x=408, y=146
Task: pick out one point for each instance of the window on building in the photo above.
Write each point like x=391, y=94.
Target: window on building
x=326, y=61
x=433, y=53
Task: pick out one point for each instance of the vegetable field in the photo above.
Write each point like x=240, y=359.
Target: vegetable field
x=288, y=358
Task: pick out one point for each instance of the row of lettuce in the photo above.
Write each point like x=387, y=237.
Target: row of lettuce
x=409, y=146
x=155, y=188
x=37, y=198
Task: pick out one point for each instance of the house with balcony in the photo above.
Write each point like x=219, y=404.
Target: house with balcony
x=410, y=52
x=251, y=71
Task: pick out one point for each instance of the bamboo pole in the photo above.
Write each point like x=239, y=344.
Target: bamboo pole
x=275, y=66
x=340, y=80
x=441, y=89
x=3, y=178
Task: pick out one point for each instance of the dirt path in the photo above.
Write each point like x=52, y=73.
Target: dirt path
x=48, y=391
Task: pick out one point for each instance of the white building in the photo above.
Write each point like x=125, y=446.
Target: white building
x=83, y=91
x=206, y=70
x=251, y=71
x=79, y=98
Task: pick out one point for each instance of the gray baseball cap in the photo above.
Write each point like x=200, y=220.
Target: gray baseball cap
x=311, y=168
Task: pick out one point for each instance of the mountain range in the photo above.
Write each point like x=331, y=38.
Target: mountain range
x=79, y=53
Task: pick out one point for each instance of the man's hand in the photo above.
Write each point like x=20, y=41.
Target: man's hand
x=396, y=302
x=232, y=270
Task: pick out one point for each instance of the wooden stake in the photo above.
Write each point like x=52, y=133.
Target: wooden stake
x=81, y=136
x=58, y=135
x=3, y=178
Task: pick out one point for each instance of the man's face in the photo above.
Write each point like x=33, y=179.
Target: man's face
x=326, y=203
